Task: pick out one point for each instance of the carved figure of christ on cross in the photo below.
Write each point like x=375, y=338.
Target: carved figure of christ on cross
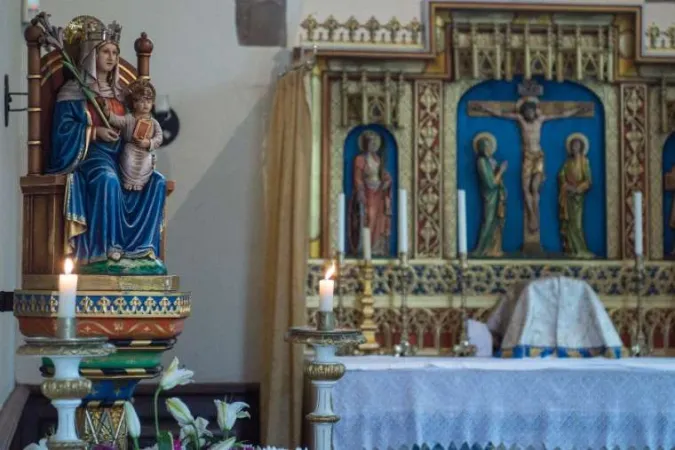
x=530, y=114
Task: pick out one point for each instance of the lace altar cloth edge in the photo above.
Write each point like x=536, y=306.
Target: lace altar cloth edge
x=386, y=402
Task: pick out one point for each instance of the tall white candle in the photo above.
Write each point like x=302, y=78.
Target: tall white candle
x=341, y=223
x=402, y=221
x=365, y=237
x=461, y=217
x=326, y=287
x=637, y=206
x=67, y=291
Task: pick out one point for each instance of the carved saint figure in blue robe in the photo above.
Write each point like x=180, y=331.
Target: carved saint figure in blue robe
x=109, y=230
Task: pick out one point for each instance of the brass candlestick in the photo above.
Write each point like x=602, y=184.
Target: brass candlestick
x=340, y=257
x=464, y=347
x=404, y=347
x=368, y=326
x=639, y=345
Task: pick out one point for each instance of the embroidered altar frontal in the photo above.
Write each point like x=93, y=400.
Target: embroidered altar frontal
x=444, y=403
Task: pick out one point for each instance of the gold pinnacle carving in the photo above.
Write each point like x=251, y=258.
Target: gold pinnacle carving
x=372, y=32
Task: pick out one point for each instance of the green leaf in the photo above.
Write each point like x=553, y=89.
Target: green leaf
x=164, y=441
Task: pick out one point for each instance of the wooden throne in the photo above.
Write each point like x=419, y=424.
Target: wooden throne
x=44, y=240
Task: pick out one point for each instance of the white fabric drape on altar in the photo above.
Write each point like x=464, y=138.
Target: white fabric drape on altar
x=386, y=403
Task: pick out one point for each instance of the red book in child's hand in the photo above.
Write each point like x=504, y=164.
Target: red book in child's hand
x=143, y=129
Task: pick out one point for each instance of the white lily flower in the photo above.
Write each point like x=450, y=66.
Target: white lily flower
x=224, y=445
x=174, y=376
x=198, y=427
x=179, y=411
x=228, y=413
x=133, y=424
x=42, y=445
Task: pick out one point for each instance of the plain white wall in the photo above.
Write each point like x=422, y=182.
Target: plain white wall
x=11, y=38
x=221, y=93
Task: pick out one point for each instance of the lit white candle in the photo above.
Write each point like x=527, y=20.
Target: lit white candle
x=341, y=223
x=637, y=206
x=326, y=287
x=402, y=221
x=461, y=217
x=67, y=291
x=365, y=237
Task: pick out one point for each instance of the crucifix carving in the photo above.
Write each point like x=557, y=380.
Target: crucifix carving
x=530, y=114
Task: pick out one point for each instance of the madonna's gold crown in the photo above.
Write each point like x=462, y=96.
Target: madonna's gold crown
x=96, y=31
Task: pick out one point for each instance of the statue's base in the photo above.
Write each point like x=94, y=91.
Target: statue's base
x=105, y=283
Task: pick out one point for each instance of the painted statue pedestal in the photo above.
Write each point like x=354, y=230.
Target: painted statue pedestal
x=141, y=315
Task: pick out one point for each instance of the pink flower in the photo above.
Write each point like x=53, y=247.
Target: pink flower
x=176, y=444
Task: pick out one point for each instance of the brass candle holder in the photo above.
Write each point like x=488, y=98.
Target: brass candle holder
x=639, y=344
x=340, y=257
x=367, y=302
x=464, y=347
x=404, y=347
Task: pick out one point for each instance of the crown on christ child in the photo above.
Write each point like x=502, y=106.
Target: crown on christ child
x=96, y=31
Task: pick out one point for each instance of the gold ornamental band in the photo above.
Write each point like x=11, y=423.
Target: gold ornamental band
x=36, y=143
x=34, y=109
x=167, y=283
x=324, y=371
x=33, y=77
x=66, y=445
x=314, y=418
x=64, y=389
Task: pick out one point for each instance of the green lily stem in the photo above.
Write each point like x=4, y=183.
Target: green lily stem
x=136, y=446
x=195, y=437
x=159, y=389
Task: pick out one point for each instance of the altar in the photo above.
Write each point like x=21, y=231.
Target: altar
x=386, y=402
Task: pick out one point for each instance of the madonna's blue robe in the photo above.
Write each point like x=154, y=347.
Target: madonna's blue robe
x=101, y=217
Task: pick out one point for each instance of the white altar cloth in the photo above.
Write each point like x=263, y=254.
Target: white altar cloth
x=394, y=403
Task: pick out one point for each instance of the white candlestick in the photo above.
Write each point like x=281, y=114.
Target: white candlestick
x=365, y=237
x=341, y=223
x=637, y=206
x=402, y=221
x=67, y=292
x=461, y=217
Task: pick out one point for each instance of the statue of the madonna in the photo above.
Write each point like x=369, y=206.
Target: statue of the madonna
x=109, y=230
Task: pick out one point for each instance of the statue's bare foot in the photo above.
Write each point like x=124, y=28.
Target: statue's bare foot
x=533, y=224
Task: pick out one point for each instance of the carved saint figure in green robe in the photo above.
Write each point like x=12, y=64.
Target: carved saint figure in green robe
x=574, y=180
x=493, y=194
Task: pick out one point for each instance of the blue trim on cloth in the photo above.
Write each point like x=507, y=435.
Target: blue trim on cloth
x=532, y=351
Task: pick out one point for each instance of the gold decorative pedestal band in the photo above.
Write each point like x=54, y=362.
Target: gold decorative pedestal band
x=104, y=283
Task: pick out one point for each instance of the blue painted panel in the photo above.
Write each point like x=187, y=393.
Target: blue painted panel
x=351, y=150
x=554, y=134
x=668, y=233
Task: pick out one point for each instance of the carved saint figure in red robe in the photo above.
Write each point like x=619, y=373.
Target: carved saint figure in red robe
x=370, y=203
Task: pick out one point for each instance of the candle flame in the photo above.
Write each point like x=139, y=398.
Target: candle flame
x=68, y=266
x=330, y=272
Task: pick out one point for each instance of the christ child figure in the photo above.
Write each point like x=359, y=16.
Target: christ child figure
x=142, y=135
